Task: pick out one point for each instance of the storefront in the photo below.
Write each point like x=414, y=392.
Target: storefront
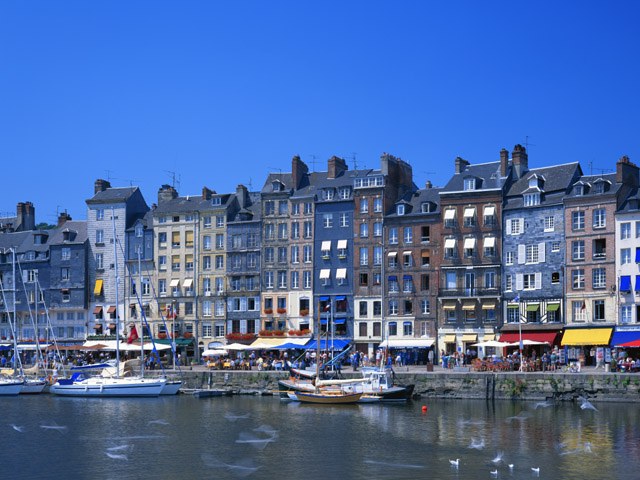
x=589, y=346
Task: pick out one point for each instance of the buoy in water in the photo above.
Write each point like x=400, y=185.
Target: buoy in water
x=424, y=409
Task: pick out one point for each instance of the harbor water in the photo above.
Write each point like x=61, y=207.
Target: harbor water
x=260, y=437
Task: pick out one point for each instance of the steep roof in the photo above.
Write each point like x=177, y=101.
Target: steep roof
x=113, y=195
x=487, y=177
x=554, y=184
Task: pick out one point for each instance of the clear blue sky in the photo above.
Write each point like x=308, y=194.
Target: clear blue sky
x=222, y=93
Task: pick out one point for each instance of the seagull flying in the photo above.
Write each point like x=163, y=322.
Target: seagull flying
x=17, y=428
x=498, y=458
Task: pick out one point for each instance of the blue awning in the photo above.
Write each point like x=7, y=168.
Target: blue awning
x=637, y=283
x=323, y=321
x=341, y=298
x=407, y=323
x=324, y=299
x=625, y=283
x=340, y=321
x=392, y=324
x=337, y=344
x=288, y=346
x=637, y=254
x=393, y=278
x=620, y=337
x=407, y=277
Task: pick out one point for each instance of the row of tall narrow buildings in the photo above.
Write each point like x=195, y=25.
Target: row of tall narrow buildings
x=367, y=254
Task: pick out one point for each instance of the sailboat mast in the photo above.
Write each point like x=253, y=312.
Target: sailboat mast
x=115, y=263
x=139, y=295
x=16, y=355
x=318, y=346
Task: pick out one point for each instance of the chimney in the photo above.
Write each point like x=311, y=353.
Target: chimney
x=336, y=166
x=626, y=171
x=242, y=194
x=25, y=217
x=206, y=193
x=461, y=164
x=63, y=218
x=298, y=170
x=428, y=185
x=166, y=193
x=504, y=162
x=520, y=160
x=101, y=185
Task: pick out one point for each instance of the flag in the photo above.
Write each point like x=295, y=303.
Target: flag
x=133, y=335
x=327, y=307
x=584, y=305
x=517, y=299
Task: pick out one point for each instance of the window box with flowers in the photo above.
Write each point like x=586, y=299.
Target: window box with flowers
x=281, y=310
x=268, y=311
x=304, y=312
x=187, y=335
x=162, y=336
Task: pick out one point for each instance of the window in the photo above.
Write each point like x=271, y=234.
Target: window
x=407, y=284
x=206, y=242
x=515, y=226
x=377, y=205
x=579, y=311
x=424, y=282
x=175, y=239
x=531, y=199
x=577, y=220
x=625, y=314
x=219, y=262
x=509, y=257
x=599, y=278
x=269, y=256
x=364, y=230
x=65, y=253
x=393, y=284
x=577, y=249
x=470, y=217
x=625, y=256
x=99, y=261
x=490, y=279
x=220, y=241
x=364, y=205
x=598, y=311
x=295, y=230
x=344, y=220
x=407, y=235
x=377, y=310
x=599, y=249
x=599, y=218
x=598, y=187
x=377, y=229
x=400, y=209
x=268, y=279
x=555, y=278
x=393, y=310
x=100, y=214
x=282, y=231
x=364, y=279
x=327, y=220
x=328, y=194
x=469, y=183
x=162, y=286
x=450, y=217
x=345, y=193
x=529, y=281
x=577, y=278
x=295, y=254
x=236, y=242
x=364, y=256
x=407, y=329
x=451, y=281
x=306, y=279
x=407, y=259
x=283, y=207
x=206, y=222
x=393, y=259
x=308, y=208
x=555, y=246
x=508, y=283
x=425, y=256
x=531, y=254
x=393, y=235
x=425, y=307
x=99, y=236
x=252, y=240
x=308, y=230
x=252, y=260
x=251, y=283
x=65, y=273
x=269, y=207
x=625, y=230
x=162, y=219
x=306, y=253
x=549, y=224
x=282, y=254
x=425, y=234
x=513, y=315
x=377, y=255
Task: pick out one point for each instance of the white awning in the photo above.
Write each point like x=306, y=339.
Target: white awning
x=326, y=245
x=489, y=242
x=450, y=243
x=325, y=273
x=392, y=254
x=489, y=211
x=174, y=283
x=408, y=343
x=341, y=273
x=469, y=212
x=469, y=243
x=342, y=244
x=188, y=282
x=449, y=214
x=407, y=252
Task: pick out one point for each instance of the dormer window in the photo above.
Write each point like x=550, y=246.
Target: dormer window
x=599, y=187
x=276, y=186
x=470, y=183
x=400, y=209
x=216, y=201
x=427, y=207
x=345, y=193
x=531, y=199
x=535, y=181
x=580, y=190
x=139, y=230
x=328, y=194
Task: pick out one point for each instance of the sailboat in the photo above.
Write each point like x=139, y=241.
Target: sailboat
x=110, y=386
x=327, y=395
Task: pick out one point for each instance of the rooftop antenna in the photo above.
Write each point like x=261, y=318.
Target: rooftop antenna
x=250, y=184
x=175, y=179
x=109, y=177
x=602, y=171
x=132, y=180
x=313, y=162
x=526, y=142
x=353, y=158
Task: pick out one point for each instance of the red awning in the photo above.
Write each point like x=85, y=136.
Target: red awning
x=97, y=310
x=111, y=309
x=512, y=337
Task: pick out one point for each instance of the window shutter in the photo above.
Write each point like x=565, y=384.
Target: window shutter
x=541, y=253
x=538, y=280
x=25, y=276
x=519, y=281
x=522, y=254
x=509, y=226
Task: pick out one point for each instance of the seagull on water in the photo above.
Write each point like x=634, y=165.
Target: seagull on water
x=455, y=463
x=498, y=458
x=494, y=473
x=17, y=428
x=536, y=470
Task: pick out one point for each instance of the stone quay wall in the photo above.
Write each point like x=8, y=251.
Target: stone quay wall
x=605, y=387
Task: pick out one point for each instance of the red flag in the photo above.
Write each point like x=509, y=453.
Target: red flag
x=133, y=335
x=584, y=305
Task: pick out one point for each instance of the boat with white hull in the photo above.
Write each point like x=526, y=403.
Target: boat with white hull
x=10, y=386
x=108, y=387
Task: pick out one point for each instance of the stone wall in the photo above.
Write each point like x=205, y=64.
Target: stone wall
x=609, y=387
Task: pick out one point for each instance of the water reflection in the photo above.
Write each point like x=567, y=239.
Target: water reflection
x=262, y=438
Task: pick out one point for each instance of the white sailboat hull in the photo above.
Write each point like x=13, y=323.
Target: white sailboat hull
x=110, y=387
x=171, y=387
x=32, y=387
x=10, y=387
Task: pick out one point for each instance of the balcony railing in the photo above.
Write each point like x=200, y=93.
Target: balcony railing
x=469, y=292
